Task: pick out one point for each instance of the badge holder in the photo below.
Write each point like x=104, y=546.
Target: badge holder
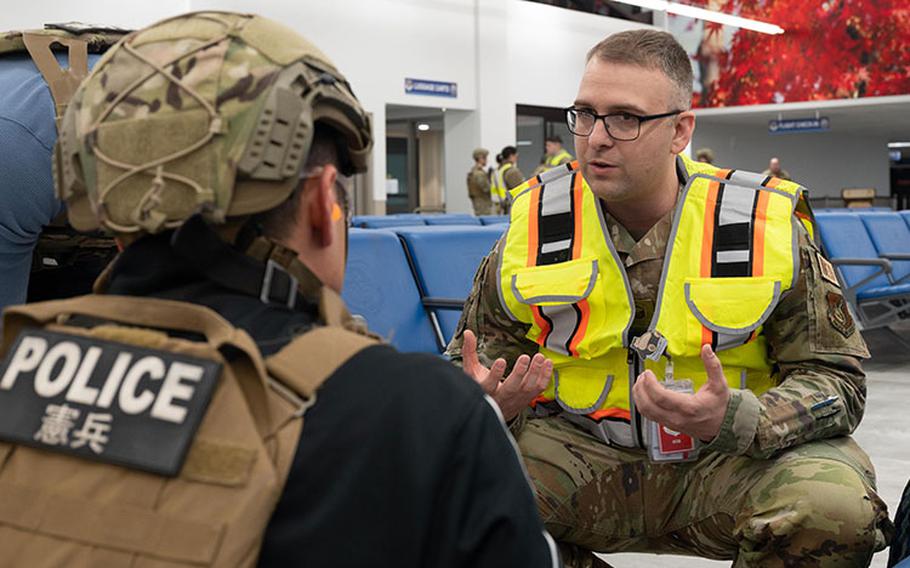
x=665, y=445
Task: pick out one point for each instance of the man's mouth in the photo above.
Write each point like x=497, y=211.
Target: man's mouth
x=601, y=166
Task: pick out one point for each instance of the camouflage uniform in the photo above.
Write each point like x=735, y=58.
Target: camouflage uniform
x=479, y=190
x=781, y=485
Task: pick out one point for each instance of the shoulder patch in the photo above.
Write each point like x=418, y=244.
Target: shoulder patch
x=103, y=400
x=826, y=269
x=839, y=314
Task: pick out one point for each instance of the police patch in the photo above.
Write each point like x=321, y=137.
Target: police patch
x=103, y=400
x=839, y=314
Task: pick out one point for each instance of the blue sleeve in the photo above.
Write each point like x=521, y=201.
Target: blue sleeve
x=27, y=204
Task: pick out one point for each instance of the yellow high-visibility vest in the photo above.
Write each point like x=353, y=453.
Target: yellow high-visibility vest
x=731, y=255
x=498, y=190
x=560, y=158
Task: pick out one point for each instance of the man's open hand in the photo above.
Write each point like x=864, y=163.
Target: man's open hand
x=699, y=415
x=529, y=377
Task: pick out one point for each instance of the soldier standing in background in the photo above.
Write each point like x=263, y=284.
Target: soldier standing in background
x=479, y=183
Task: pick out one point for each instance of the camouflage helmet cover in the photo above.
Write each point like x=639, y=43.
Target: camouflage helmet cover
x=209, y=112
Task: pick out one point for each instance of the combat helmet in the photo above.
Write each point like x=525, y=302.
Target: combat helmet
x=208, y=112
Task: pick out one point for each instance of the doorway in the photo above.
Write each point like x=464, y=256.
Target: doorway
x=414, y=159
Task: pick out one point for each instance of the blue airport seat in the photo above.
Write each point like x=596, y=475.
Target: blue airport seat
x=906, y=217
x=493, y=219
x=451, y=219
x=891, y=238
x=877, y=298
x=379, y=286
x=444, y=260
x=382, y=222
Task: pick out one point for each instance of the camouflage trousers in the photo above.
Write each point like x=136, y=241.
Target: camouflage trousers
x=813, y=505
x=483, y=205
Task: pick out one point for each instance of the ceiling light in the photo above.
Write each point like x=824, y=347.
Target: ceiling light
x=423, y=127
x=899, y=144
x=703, y=14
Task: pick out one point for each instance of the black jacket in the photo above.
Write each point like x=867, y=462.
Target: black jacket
x=402, y=462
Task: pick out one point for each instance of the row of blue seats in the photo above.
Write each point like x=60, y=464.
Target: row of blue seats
x=852, y=210
x=410, y=282
x=871, y=250
x=419, y=219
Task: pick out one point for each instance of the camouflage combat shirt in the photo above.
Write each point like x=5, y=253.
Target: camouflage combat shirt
x=812, y=341
x=478, y=182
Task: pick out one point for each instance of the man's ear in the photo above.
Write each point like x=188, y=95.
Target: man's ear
x=682, y=135
x=320, y=203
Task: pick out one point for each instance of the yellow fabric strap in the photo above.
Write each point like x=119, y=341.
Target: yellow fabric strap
x=119, y=527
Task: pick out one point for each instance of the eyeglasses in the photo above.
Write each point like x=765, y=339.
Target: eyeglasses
x=621, y=126
x=344, y=188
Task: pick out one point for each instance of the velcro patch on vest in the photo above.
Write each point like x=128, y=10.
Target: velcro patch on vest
x=102, y=400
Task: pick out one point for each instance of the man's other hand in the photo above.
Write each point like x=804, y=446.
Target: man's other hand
x=699, y=415
x=529, y=377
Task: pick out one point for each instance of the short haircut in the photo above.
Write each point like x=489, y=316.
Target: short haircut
x=651, y=49
x=326, y=148
x=508, y=152
x=554, y=138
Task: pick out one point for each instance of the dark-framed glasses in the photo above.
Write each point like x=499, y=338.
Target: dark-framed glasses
x=622, y=126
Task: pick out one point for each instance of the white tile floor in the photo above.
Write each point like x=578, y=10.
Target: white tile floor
x=884, y=433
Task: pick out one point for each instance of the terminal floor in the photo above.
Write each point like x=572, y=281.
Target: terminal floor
x=883, y=433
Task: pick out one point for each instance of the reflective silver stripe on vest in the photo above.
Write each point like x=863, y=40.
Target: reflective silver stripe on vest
x=564, y=320
x=611, y=432
x=557, y=196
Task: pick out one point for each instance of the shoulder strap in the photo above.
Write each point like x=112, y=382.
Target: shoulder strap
x=61, y=82
x=305, y=363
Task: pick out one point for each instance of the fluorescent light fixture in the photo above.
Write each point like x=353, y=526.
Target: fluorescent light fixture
x=708, y=15
x=899, y=144
x=423, y=127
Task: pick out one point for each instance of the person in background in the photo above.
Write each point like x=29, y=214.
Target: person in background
x=479, y=183
x=506, y=178
x=775, y=170
x=705, y=156
x=555, y=155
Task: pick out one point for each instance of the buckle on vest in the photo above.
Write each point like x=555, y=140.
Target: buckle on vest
x=276, y=274
x=650, y=345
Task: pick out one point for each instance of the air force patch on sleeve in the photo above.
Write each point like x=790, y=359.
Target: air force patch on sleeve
x=103, y=400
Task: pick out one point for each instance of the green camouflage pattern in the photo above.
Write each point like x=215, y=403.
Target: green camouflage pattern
x=591, y=495
x=812, y=505
x=479, y=190
x=156, y=132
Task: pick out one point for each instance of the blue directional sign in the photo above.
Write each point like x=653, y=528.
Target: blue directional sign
x=431, y=88
x=819, y=124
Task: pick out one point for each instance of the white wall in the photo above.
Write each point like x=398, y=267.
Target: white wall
x=33, y=14
x=547, y=48
x=499, y=52
x=377, y=43
x=824, y=162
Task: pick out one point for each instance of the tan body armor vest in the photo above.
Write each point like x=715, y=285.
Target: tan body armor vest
x=62, y=510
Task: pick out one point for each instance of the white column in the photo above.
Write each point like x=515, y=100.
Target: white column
x=462, y=135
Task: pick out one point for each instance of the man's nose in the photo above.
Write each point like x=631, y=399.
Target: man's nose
x=599, y=136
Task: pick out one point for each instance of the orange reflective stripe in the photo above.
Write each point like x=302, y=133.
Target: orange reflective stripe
x=542, y=324
x=585, y=310
x=578, y=201
x=534, y=207
x=773, y=182
x=540, y=399
x=610, y=413
x=758, y=238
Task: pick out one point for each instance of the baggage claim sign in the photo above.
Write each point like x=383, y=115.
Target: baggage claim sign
x=104, y=400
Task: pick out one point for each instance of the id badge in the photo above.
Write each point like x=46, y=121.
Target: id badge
x=665, y=444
